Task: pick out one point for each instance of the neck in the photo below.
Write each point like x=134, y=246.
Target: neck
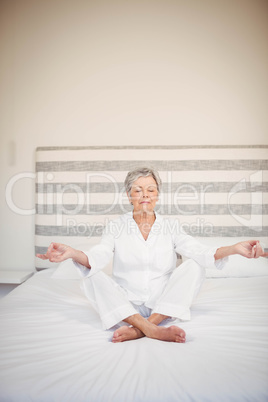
x=144, y=216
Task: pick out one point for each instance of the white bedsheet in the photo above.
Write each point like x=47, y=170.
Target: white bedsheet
x=53, y=348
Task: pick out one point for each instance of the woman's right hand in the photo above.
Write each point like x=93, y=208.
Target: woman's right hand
x=57, y=252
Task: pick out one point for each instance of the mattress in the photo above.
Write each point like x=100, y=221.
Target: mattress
x=52, y=344
x=53, y=347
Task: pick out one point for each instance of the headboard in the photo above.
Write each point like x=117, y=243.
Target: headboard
x=213, y=190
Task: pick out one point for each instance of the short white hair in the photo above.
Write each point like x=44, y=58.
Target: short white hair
x=144, y=171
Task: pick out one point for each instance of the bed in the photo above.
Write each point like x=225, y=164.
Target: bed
x=52, y=344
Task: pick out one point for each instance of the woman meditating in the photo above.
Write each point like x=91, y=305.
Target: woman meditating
x=146, y=286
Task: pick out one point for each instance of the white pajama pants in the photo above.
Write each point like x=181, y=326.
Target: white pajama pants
x=113, y=306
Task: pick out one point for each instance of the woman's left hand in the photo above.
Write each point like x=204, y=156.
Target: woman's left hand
x=250, y=249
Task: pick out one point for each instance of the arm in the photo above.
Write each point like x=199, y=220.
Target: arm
x=58, y=252
x=99, y=255
x=248, y=249
x=211, y=257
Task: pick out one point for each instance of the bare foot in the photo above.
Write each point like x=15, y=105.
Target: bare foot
x=126, y=333
x=170, y=334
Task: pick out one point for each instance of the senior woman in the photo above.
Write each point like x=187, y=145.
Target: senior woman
x=146, y=287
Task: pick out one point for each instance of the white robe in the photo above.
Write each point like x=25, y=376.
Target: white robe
x=144, y=271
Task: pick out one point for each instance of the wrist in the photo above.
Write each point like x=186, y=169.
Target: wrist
x=223, y=252
x=81, y=258
x=76, y=255
x=236, y=249
x=233, y=249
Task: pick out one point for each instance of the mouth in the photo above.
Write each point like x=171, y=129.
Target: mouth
x=145, y=202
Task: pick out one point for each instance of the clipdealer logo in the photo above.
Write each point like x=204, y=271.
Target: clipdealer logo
x=185, y=200
x=253, y=218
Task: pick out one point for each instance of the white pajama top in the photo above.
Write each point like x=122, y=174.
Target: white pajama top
x=141, y=266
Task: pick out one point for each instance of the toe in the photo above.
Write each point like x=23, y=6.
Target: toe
x=117, y=339
x=180, y=340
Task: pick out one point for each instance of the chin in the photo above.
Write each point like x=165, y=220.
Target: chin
x=147, y=208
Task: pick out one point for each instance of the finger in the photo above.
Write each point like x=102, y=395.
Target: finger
x=42, y=256
x=58, y=245
x=50, y=247
x=253, y=242
x=56, y=258
x=252, y=252
x=264, y=255
x=259, y=250
x=52, y=258
x=49, y=250
x=53, y=255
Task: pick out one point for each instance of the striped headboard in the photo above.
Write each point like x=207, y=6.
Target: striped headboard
x=212, y=190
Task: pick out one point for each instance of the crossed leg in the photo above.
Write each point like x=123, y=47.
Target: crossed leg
x=175, y=301
x=141, y=326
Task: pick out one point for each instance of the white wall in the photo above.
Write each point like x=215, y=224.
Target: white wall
x=118, y=72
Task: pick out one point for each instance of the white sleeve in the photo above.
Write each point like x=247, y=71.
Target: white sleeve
x=98, y=256
x=189, y=247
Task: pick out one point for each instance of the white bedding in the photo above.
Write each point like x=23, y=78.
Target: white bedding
x=53, y=348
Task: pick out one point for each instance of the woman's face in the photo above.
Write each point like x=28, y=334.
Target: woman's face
x=143, y=194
